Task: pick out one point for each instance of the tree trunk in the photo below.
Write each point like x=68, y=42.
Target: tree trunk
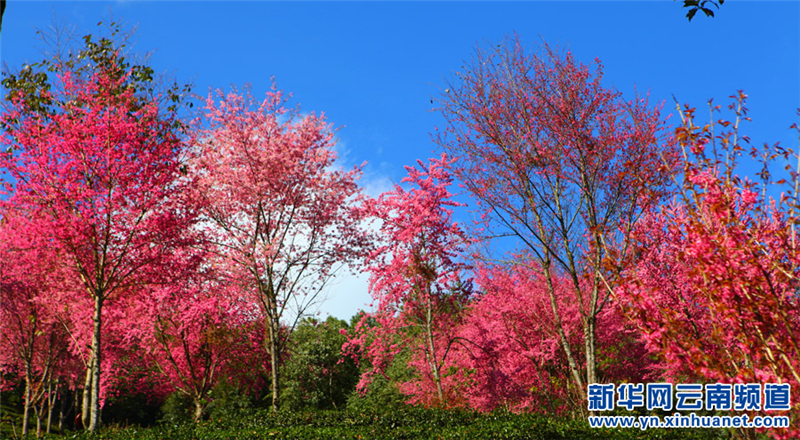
x=87, y=394
x=62, y=411
x=591, y=355
x=434, y=364
x=39, y=410
x=94, y=415
x=51, y=402
x=591, y=359
x=573, y=366
x=26, y=412
x=274, y=362
x=198, y=408
x=432, y=361
x=589, y=326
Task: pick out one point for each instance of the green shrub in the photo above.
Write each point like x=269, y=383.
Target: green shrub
x=382, y=392
x=317, y=375
x=177, y=408
x=407, y=423
x=228, y=401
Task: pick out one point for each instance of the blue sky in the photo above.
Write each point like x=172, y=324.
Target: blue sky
x=373, y=68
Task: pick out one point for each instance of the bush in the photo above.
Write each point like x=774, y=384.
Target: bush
x=383, y=391
x=408, y=423
x=228, y=401
x=177, y=408
x=317, y=375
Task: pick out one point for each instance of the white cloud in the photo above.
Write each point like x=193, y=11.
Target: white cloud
x=348, y=293
x=345, y=296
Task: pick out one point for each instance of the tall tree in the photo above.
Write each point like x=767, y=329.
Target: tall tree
x=93, y=160
x=417, y=280
x=715, y=291
x=562, y=164
x=33, y=342
x=509, y=344
x=278, y=213
x=195, y=327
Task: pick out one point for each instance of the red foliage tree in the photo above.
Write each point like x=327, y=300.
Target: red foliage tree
x=509, y=345
x=418, y=283
x=33, y=341
x=93, y=162
x=562, y=164
x=277, y=213
x=716, y=289
x=195, y=328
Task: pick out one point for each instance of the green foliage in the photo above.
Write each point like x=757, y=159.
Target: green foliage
x=32, y=85
x=130, y=407
x=228, y=401
x=34, y=82
x=408, y=423
x=382, y=392
x=11, y=403
x=177, y=408
x=316, y=374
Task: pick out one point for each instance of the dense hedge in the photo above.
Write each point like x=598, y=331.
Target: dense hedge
x=412, y=423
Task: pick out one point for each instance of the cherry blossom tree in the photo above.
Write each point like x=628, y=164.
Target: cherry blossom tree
x=417, y=281
x=509, y=344
x=33, y=342
x=194, y=327
x=563, y=165
x=715, y=291
x=276, y=210
x=93, y=160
